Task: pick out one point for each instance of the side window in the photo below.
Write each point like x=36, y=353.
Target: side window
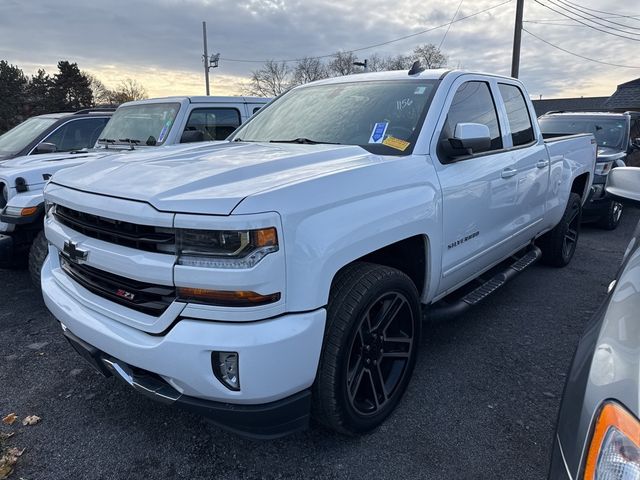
x=256, y=109
x=472, y=103
x=517, y=114
x=77, y=134
x=213, y=123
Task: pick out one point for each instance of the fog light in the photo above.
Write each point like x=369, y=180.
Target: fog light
x=225, y=368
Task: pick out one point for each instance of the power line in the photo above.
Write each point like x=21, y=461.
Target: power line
x=616, y=15
x=636, y=17
x=377, y=44
x=569, y=5
x=577, y=54
x=586, y=24
x=452, y=19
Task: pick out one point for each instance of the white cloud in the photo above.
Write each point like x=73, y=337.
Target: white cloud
x=159, y=43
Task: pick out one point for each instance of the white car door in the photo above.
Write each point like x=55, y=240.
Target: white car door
x=479, y=191
x=531, y=160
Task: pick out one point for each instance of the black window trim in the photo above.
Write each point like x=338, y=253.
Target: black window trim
x=532, y=120
x=481, y=154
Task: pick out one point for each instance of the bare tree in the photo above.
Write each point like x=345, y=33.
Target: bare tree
x=101, y=94
x=430, y=56
x=271, y=80
x=343, y=64
x=129, y=90
x=309, y=70
x=398, y=62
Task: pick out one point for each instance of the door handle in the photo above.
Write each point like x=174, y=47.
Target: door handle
x=509, y=172
x=542, y=163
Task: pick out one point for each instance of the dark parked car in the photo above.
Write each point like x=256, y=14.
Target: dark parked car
x=598, y=431
x=613, y=132
x=54, y=132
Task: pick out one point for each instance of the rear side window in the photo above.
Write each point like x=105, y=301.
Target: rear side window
x=77, y=134
x=472, y=103
x=517, y=114
x=214, y=123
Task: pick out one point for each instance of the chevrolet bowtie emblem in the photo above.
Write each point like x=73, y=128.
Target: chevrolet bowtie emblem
x=74, y=253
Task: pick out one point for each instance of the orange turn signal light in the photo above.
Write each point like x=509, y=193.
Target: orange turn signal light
x=226, y=298
x=28, y=211
x=266, y=237
x=611, y=415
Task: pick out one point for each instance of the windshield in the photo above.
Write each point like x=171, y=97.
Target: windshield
x=145, y=124
x=381, y=116
x=609, y=132
x=19, y=137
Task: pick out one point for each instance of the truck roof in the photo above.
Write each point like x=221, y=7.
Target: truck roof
x=585, y=113
x=427, y=74
x=199, y=99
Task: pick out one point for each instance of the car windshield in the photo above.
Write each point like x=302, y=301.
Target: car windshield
x=609, y=132
x=19, y=137
x=145, y=124
x=381, y=116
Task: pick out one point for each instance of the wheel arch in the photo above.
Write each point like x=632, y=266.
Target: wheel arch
x=580, y=185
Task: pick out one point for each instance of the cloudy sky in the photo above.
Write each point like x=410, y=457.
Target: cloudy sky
x=159, y=42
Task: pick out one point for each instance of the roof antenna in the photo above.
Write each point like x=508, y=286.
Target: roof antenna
x=416, y=68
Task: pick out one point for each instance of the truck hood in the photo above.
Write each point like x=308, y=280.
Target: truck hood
x=211, y=179
x=36, y=169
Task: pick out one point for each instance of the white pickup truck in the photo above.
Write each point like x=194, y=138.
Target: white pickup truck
x=138, y=125
x=283, y=274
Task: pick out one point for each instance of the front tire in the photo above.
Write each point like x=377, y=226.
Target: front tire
x=37, y=255
x=559, y=244
x=611, y=219
x=370, y=348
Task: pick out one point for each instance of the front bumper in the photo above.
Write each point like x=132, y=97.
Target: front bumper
x=266, y=421
x=278, y=356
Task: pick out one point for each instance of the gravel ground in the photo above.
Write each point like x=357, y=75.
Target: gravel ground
x=482, y=403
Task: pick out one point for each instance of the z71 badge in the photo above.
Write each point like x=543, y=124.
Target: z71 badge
x=463, y=239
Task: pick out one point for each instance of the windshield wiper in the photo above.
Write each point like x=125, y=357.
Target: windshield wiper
x=130, y=141
x=106, y=141
x=304, y=140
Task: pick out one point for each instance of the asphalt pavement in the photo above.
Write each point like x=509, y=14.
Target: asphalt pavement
x=482, y=403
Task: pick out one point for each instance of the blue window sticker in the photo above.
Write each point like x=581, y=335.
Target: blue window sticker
x=163, y=133
x=377, y=134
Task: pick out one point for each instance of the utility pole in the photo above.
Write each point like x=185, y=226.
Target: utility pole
x=517, y=37
x=209, y=62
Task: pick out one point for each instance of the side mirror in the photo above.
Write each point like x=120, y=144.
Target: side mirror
x=191, y=136
x=46, y=147
x=624, y=182
x=469, y=138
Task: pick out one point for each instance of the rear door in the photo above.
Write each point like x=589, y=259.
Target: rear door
x=530, y=159
x=479, y=191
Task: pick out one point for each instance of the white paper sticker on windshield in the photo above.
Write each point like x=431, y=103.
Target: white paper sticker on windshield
x=377, y=134
x=420, y=90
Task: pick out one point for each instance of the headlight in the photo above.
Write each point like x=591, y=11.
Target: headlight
x=225, y=249
x=614, y=451
x=603, y=168
x=20, y=212
x=49, y=208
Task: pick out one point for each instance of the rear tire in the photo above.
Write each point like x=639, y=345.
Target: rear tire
x=370, y=348
x=611, y=220
x=559, y=244
x=37, y=255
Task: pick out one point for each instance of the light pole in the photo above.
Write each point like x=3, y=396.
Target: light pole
x=364, y=64
x=209, y=61
x=517, y=37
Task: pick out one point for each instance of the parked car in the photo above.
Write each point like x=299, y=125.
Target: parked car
x=54, y=132
x=612, y=132
x=284, y=271
x=598, y=431
x=134, y=126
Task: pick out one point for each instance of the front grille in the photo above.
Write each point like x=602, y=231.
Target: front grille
x=140, y=237
x=143, y=297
